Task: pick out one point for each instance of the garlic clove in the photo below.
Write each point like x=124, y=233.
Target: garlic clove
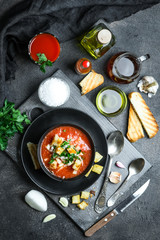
x=115, y=177
x=119, y=164
x=63, y=201
x=49, y=218
x=36, y=200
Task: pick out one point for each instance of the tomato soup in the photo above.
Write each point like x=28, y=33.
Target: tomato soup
x=44, y=43
x=66, y=151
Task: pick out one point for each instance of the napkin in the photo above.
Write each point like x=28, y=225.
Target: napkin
x=65, y=19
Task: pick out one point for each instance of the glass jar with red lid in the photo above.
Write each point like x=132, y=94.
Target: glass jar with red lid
x=83, y=66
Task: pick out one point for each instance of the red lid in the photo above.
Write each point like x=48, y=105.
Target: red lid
x=85, y=63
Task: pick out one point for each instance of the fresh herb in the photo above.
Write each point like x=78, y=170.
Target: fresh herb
x=65, y=144
x=53, y=157
x=11, y=122
x=51, y=161
x=78, y=152
x=43, y=61
x=64, y=130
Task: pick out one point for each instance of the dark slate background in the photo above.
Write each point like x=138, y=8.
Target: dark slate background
x=67, y=19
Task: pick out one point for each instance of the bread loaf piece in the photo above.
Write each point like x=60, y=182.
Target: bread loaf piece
x=142, y=110
x=91, y=81
x=135, y=129
x=32, y=148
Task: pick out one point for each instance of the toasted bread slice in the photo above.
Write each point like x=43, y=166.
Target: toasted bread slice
x=135, y=129
x=32, y=148
x=91, y=81
x=142, y=110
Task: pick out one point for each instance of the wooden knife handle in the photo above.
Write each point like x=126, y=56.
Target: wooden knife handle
x=100, y=223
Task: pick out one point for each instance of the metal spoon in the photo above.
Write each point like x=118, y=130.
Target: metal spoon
x=115, y=146
x=135, y=167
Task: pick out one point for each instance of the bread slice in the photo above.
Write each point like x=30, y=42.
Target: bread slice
x=135, y=129
x=91, y=81
x=142, y=110
x=32, y=148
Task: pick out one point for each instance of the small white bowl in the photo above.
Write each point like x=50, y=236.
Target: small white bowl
x=53, y=92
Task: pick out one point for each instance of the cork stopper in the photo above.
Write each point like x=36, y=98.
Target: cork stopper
x=104, y=36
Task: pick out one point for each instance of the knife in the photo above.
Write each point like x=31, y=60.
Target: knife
x=120, y=208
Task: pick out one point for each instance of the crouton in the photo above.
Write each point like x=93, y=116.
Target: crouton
x=77, y=164
x=76, y=199
x=97, y=168
x=82, y=205
x=71, y=150
x=87, y=174
x=98, y=157
x=85, y=195
x=59, y=150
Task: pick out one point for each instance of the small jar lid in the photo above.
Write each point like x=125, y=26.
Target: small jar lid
x=104, y=36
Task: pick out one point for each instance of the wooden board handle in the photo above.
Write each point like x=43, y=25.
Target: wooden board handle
x=100, y=223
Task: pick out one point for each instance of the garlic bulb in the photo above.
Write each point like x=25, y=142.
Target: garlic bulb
x=148, y=85
x=36, y=200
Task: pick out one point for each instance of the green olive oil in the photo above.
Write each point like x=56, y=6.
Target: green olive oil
x=111, y=101
x=98, y=41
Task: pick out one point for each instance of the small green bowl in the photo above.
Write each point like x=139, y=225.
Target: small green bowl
x=116, y=100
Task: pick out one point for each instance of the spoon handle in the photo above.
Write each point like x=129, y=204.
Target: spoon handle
x=101, y=200
x=117, y=194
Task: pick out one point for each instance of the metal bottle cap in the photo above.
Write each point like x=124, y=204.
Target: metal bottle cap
x=104, y=36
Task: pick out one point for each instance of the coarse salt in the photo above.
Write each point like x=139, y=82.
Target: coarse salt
x=53, y=92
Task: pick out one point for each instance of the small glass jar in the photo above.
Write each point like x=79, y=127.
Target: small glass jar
x=98, y=40
x=111, y=101
x=83, y=66
x=44, y=43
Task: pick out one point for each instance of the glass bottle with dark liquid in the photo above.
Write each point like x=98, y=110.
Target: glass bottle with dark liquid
x=125, y=67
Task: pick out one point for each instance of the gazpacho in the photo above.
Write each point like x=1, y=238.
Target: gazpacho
x=66, y=151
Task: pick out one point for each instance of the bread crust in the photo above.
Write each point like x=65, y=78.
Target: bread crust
x=90, y=82
x=32, y=148
x=144, y=114
x=135, y=129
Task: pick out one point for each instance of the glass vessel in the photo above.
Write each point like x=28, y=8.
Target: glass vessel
x=98, y=40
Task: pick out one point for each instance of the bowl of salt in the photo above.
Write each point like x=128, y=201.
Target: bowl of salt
x=53, y=92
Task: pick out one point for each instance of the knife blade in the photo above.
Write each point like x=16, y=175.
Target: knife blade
x=119, y=209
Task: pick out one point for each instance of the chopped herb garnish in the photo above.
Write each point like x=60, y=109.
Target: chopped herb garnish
x=51, y=161
x=65, y=144
x=11, y=122
x=78, y=152
x=43, y=61
x=64, y=130
x=65, y=156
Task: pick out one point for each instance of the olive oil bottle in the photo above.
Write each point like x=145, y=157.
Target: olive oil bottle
x=98, y=40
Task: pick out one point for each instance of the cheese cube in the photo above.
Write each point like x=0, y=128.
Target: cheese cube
x=97, y=168
x=82, y=205
x=76, y=199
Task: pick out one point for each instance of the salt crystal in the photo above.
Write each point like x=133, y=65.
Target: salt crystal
x=53, y=92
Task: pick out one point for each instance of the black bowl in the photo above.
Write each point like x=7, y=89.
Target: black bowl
x=50, y=174
x=53, y=118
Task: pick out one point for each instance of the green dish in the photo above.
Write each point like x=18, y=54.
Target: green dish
x=111, y=101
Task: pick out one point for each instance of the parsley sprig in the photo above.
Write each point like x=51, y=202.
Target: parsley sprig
x=11, y=122
x=43, y=61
